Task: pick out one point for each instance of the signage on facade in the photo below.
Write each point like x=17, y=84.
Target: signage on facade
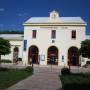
x=42, y=57
x=54, y=27
x=50, y=27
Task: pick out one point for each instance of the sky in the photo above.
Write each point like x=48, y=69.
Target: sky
x=13, y=13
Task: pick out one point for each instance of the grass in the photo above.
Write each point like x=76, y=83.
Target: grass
x=12, y=76
x=75, y=82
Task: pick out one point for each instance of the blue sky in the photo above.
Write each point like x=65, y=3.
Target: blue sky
x=14, y=12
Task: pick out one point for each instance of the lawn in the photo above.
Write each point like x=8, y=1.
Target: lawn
x=12, y=76
x=75, y=82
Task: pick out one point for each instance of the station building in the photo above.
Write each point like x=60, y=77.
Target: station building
x=49, y=40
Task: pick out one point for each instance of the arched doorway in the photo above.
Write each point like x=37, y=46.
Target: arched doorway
x=73, y=56
x=52, y=55
x=15, y=54
x=33, y=55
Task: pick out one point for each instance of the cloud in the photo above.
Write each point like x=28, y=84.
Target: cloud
x=2, y=9
x=22, y=14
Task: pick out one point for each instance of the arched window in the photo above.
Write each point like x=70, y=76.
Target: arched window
x=33, y=54
x=15, y=54
x=52, y=55
x=73, y=56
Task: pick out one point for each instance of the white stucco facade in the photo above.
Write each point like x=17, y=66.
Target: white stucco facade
x=63, y=40
x=63, y=27
x=16, y=40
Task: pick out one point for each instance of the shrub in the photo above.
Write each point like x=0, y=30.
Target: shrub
x=3, y=69
x=29, y=69
x=65, y=71
x=76, y=81
x=6, y=61
x=88, y=62
x=19, y=59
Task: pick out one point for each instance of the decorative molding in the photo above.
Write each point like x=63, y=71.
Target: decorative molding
x=50, y=27
x=55, y=24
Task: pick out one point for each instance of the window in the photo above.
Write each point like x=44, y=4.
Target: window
x=53, y=34
x=53, y=41
x=34, y=32
x=73, y=34
x=25, y=45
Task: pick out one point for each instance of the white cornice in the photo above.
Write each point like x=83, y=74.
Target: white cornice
x=54, y=24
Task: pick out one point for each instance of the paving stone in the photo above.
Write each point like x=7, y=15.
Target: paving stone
x=43, y=79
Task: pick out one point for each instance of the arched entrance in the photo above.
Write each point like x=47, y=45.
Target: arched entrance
x=73, y=56
x=15, y=54
x=52, y=55
x=33, y=55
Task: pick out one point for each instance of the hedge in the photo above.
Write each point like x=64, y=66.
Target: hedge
x=75, y=82
x=6, y=61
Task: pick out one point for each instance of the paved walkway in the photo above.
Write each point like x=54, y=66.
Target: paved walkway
x=44, y=78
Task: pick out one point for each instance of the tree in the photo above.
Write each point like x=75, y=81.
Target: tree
x=11, y=32
x=85, y=48
x=4, y=47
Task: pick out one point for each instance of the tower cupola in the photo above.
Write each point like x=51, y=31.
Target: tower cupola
x=54, y=15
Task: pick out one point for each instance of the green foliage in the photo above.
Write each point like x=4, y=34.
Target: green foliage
x=29, y=69
x=3, y=69
x=4, y=46
x=75, y=82
x=19, y=59
x=11, y=32
x=12, y=76
x=88, y=62
x=6, y=61
x=65, y=71
x=85, y=48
